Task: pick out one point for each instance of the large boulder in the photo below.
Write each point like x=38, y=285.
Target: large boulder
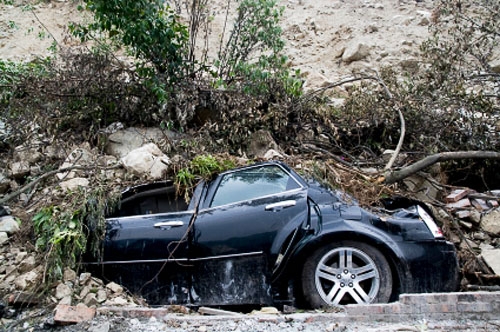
x=147, y=161
x=122, y=142
x=491, y=222
x=260, y=142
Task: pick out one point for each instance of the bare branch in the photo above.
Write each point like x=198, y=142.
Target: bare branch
x=392, y=177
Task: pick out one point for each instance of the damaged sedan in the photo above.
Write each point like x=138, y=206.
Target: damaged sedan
x=262, y=234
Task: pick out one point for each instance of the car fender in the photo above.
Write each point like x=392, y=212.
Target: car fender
x=353, y=231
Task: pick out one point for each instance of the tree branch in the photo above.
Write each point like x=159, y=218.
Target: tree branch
x=392, y=177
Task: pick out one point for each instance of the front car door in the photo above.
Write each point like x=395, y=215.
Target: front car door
x=242, y=225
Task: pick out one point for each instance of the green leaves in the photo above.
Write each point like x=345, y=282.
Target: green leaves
x=253, y=55
x=66, y=231
x=149, y=29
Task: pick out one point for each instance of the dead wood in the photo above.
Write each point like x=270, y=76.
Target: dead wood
x=394, y=176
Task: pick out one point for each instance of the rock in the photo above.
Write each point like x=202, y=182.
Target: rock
x=115, y=288
x=101, y=296
x=66, y=300
x=84, y=278
x=272, y=154
x=495, y=64
x=8, y=225
x=492, y=257
x=23, y=299
x=410, y=65
x=27, y=264
x=122, y=142
x=490, y=222
x=90, y=300
x=355, y=51
x=27, y=280
x=81, y=156
x=117, y=301
x=30, y=155
x=147, y=161
x=103, y=327
x=456, y=195
x=75, y=183
x=19, y=169
x=63, y=290
x=69, y=275
x=4, y=238
x=4, y=184
x=260, y=143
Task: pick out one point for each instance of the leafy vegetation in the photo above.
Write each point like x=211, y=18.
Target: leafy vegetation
x=256, y=32
x=76, y=226
x=201, y=167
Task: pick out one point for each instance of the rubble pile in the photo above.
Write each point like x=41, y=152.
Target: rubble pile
x=478, y=225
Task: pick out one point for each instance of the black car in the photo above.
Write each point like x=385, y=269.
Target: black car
x=263, y=235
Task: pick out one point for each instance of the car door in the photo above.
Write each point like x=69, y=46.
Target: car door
x=145, y=247
x=240, y=229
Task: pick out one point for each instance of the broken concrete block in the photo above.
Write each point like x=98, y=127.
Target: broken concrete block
x=456, y=195
x=463, y=203
x=492, y=257
x=66, y=314
x=463, y=214
x=480, y=204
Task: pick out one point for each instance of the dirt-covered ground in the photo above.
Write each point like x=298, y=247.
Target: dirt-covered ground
x=318, y=32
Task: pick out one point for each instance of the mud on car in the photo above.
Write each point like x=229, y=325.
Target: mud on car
x=264, y=235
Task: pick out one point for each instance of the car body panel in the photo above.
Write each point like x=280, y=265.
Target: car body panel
x=244, y=236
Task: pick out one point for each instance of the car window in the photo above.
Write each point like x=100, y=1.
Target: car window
x=159, y=200
x=252, y=183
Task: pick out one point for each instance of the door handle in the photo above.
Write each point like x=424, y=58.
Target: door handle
x=169, y=224
x=280, y=205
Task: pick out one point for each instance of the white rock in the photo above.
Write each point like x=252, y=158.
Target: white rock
x=122, y=142
x=114, y=287
x=63, y=290
x=9, y=225
x=81, y=156
x=19, y=169
x=73, y=184
x=66, y=300
x=4, y=238
x=147, y=161
x=26, y=280
x=491, y=222
x=355, y=51
x=492, y=257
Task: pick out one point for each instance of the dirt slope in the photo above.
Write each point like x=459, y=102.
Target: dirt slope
x=318, y=32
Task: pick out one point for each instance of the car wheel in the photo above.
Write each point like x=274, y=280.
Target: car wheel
x=344, y=273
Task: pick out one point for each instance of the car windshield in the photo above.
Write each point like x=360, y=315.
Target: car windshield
x=252, y=183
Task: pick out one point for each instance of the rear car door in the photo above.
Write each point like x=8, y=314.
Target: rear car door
x=145, y=248
x=239, y=232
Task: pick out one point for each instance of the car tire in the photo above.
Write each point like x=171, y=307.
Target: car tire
x=344, y=273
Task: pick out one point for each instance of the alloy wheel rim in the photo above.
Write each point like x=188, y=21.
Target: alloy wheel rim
x=347, y=275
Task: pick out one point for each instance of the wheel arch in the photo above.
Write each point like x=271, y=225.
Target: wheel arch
x=398, y=265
